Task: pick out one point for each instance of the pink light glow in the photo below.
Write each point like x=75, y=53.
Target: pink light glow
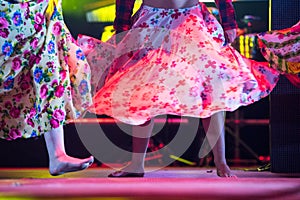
x=112, y=121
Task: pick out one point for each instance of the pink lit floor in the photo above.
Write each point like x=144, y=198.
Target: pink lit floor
x=168, y=183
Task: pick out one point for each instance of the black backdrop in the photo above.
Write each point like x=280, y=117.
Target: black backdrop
x=285, y=101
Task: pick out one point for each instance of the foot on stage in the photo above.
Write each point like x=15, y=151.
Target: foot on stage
x=65, y=164
x=224, y=171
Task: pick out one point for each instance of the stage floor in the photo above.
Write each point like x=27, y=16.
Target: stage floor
x=168, y=183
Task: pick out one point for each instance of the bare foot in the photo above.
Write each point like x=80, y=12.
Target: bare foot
x=223, y=170
x=129, y=171
x=66, y=164
x=132, y=168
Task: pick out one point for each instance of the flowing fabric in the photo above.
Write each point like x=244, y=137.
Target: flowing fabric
x=44, y=77
x=173, y=61
x=282, y=48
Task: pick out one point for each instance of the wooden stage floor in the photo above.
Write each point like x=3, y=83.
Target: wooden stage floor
x=168, y=183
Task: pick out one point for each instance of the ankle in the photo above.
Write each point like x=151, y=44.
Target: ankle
x=220, y=163
x=57, y=156
x=135, y=167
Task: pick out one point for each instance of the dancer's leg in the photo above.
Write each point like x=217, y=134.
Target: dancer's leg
x=59, y=161
x=214, y=127
x=141, y=135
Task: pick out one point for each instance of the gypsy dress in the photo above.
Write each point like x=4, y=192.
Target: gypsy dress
x=44, y=77
x=281, y=48
x=173, y=61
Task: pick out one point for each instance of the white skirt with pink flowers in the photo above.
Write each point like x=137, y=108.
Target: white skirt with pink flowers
x=173, y=61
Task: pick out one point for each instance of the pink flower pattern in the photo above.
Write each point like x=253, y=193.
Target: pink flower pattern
x=192, y=73
x=44, y=101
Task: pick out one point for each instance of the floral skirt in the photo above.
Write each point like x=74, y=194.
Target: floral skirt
x=173, y=61
x=44, y=77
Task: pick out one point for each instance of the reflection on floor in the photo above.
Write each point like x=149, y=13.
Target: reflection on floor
x=166, y=183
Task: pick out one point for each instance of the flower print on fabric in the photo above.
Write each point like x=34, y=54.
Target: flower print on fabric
x=8, y=83
x=7, y=48
x=38, y=58
x=80, y=54
x=38, y=75
x=174, y=61
x=17, y=18
x=51, y=47
x=56, y=30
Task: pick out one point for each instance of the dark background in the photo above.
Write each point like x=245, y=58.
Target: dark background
x=284, y=102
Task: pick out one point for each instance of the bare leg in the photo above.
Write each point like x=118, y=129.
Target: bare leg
x=215, y=133
x=141, y=135
x=59, y=161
